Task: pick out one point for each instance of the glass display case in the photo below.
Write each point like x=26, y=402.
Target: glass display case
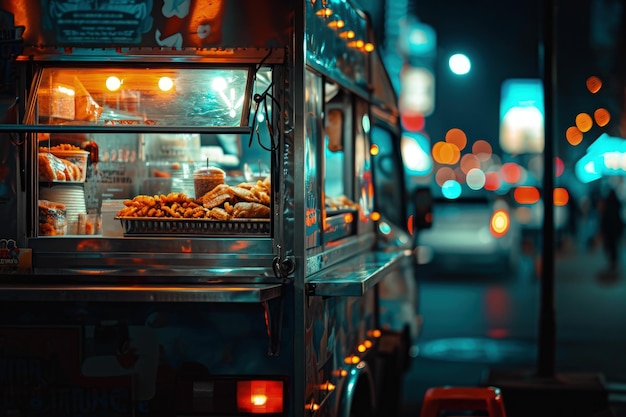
x=147, y=181
x=182, y=97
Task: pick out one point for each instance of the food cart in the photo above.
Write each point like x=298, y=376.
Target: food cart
x=205, y=212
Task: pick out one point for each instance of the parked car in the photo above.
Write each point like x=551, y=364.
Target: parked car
x=469, y=235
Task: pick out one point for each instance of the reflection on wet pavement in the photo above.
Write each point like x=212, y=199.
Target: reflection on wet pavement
x=473, y=325
x=481, y=350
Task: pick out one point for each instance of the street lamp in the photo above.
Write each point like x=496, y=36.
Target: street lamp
x=460, y=64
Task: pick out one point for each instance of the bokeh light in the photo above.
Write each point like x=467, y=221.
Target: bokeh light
x=446, y=153
x=492, y=181
x=594, y=84
x=412, y=121
x=602, y=117
x=573, y=135
x=584, y=122
x=457, y=137
x=475, y=179
x=459, y=64
x=561, y=196
x=482, y=149
x=444, y=174
x=469, y=161
x=559, y=166
x=451, y=189
x=511, y=172
x=526, y=195
x=500, y=223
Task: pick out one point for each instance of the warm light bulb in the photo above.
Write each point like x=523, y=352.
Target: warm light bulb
x=336, y=24
x=113, y=83
x=166, y=83
x=348, y=34
x=325, y=12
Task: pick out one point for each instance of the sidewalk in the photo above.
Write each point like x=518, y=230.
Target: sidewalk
x=590, y=309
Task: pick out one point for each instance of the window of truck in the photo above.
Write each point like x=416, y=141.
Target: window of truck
x=388, y=174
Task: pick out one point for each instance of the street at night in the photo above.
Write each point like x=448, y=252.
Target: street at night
x=474, y=325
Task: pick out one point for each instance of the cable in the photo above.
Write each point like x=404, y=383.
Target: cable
x=258, y=99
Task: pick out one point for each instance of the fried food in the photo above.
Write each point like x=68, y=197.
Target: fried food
x=224, y=202
x=250, y=210
x=218, y=213
x=173, y=205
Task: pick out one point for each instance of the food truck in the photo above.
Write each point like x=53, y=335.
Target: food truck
x=204, y=212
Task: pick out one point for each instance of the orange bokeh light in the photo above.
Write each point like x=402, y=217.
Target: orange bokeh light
x=511, y=172
x=469, y=161
x=457, y=137
x=561, y=196
x=526, y=195
x=482, y=149
x=436, y=151
x=500, y=223
x=573, y=135
x=446, y=153
x=602, y=117
x=584, y=122
x=444, y=174
x=594, y=84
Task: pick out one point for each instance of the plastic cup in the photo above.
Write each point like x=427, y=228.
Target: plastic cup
x=205, y=179
x=88, y=224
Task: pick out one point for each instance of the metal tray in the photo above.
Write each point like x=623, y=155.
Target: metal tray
x=167, y=226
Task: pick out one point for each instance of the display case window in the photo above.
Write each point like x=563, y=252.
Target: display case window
x=207, y=97
x=337, y=113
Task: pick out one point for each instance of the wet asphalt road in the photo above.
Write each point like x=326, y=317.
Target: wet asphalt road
x=476, y=326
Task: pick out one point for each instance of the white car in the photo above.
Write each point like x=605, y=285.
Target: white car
x=471, y=235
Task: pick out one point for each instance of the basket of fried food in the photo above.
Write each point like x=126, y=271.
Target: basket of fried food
x=226, y=209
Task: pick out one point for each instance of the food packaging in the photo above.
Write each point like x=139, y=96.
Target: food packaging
x=76, y=157
x=68, y=100
x=62, y=165
x=52, y=218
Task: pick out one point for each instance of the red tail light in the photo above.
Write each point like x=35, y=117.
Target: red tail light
x=260, y=397
x=561, y=196
x=526, y=195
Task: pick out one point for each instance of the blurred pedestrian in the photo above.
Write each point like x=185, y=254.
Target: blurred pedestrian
x=611, y=227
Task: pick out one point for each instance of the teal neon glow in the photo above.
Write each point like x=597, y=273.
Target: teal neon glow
x=451, y=189
x=605, y=156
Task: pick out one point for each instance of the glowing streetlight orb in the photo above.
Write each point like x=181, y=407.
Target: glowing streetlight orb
x=459, y=64
x=113, y=83
x=166, y=83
